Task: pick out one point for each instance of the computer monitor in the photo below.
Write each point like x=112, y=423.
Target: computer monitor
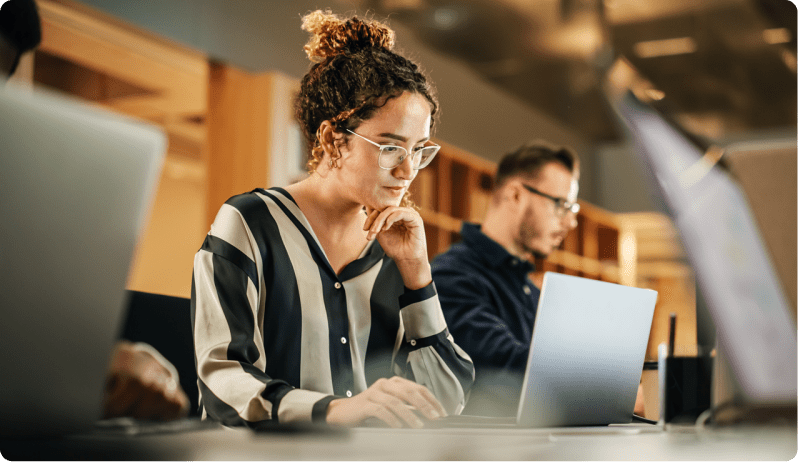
x=723, y=244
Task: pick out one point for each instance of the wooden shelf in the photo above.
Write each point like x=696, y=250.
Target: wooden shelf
x=107, y=63
x=636, y=249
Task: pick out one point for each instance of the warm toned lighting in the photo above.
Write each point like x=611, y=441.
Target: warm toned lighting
x=667, y=47
x=446, y=18
x=789, y=60
x=655, y=94
x=402, y=4
x=774, y=36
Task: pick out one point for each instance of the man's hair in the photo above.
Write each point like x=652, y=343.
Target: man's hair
x=530, y=158
x=20, y=26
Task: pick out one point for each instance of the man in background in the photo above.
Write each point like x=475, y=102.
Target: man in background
x=483, y=282
x=140, y=382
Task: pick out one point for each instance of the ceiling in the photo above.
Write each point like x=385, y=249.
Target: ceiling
x=720, y=68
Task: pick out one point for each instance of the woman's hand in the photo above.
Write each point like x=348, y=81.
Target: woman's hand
x=389, y=400
x=400, y=232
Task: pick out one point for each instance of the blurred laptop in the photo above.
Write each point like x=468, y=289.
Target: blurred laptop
x=75, y=188
x=733, y=268
x=585, y=359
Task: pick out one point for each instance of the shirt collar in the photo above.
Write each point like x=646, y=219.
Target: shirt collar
x=491, y=251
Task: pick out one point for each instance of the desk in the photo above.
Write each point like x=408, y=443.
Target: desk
x=749, y=443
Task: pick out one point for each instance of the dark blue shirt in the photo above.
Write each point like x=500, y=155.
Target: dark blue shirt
x=489, y=304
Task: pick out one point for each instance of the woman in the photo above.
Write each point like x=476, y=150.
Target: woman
x=315, y=302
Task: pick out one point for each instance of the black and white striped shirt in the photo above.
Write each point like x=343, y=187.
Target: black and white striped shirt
x=277, y=333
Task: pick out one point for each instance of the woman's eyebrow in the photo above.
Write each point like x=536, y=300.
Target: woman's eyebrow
x=403, y=139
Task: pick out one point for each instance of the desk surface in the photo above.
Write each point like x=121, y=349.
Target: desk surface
x=682, y=443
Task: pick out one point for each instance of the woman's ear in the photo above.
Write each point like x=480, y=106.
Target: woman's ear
x=326, y=134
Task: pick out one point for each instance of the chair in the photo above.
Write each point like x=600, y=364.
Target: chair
x=165, y=323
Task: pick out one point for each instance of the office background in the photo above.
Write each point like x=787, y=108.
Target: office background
x=218, y=77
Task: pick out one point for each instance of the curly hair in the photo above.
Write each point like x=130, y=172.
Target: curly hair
x=355, y=73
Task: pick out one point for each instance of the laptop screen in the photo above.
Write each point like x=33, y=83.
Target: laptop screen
x=723, y=244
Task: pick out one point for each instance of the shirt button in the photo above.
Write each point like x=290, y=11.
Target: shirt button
x=527, y=290
x=343, y=340
x=413, y=342
x=348, y=393
x=515, y=262
x=337, y=285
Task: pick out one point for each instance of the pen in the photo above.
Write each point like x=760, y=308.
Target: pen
x=672, y=335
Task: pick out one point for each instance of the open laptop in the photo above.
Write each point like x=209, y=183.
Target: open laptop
x=586, y=356
x=75, y=188
x=733, y=268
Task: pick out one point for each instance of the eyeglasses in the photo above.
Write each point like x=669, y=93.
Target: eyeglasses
x=392, y=156
x=562, y=205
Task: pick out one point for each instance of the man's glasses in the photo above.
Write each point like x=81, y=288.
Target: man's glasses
x=392, y=156
x=562, y=205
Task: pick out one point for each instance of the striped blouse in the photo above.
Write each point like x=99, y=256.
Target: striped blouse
x=278, y=334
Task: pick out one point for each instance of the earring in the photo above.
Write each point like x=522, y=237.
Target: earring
x=333, y=162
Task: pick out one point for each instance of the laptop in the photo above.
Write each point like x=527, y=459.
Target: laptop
x=75, y=188
x=585, y=359
x=734, y=270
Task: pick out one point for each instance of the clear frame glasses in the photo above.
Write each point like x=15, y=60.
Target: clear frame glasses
x=562, y=205
x=392, y=156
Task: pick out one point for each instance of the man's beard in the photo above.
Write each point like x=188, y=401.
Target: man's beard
x=527, y=234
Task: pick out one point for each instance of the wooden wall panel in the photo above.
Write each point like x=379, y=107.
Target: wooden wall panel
x=239, y=134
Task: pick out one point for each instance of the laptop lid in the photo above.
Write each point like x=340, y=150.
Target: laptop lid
x=724, y=246
x=587, y=352
x=75, y=187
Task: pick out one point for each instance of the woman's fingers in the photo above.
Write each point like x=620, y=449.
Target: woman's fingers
x=400, y=409
x=417, y=396
x=383, y=221
x=425, y=402
x=393, y=401
x=379, y=222
x=371, y=215
x=383, y=413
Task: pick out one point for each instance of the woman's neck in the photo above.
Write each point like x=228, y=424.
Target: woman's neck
x=320, y=202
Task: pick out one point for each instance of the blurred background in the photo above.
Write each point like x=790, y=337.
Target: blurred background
x=219, y=76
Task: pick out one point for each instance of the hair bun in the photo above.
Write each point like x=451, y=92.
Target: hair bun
x=333, y=36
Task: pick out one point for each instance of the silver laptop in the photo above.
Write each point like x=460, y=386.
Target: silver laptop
x=587, y=353
x=75, y=188
x=586, y=356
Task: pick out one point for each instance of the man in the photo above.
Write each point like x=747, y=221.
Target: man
x=483, y=282
x=140, y=382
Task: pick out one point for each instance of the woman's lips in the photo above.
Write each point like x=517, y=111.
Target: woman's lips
x=397, y=190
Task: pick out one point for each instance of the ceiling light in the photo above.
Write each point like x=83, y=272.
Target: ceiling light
x=402, y=4
x=774, y=36
x=446, y=18
x=666, y=47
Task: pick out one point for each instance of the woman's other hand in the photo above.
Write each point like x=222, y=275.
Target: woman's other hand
x=389, y=400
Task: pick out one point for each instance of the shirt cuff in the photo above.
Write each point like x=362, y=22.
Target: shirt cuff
x=320, y=408
x=421, y=313
x=301, y=406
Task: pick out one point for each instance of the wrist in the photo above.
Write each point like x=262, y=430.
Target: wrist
x=415, y=275
x=331, y=416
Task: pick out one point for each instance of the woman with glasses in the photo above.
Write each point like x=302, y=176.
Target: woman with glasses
x=315, y=303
